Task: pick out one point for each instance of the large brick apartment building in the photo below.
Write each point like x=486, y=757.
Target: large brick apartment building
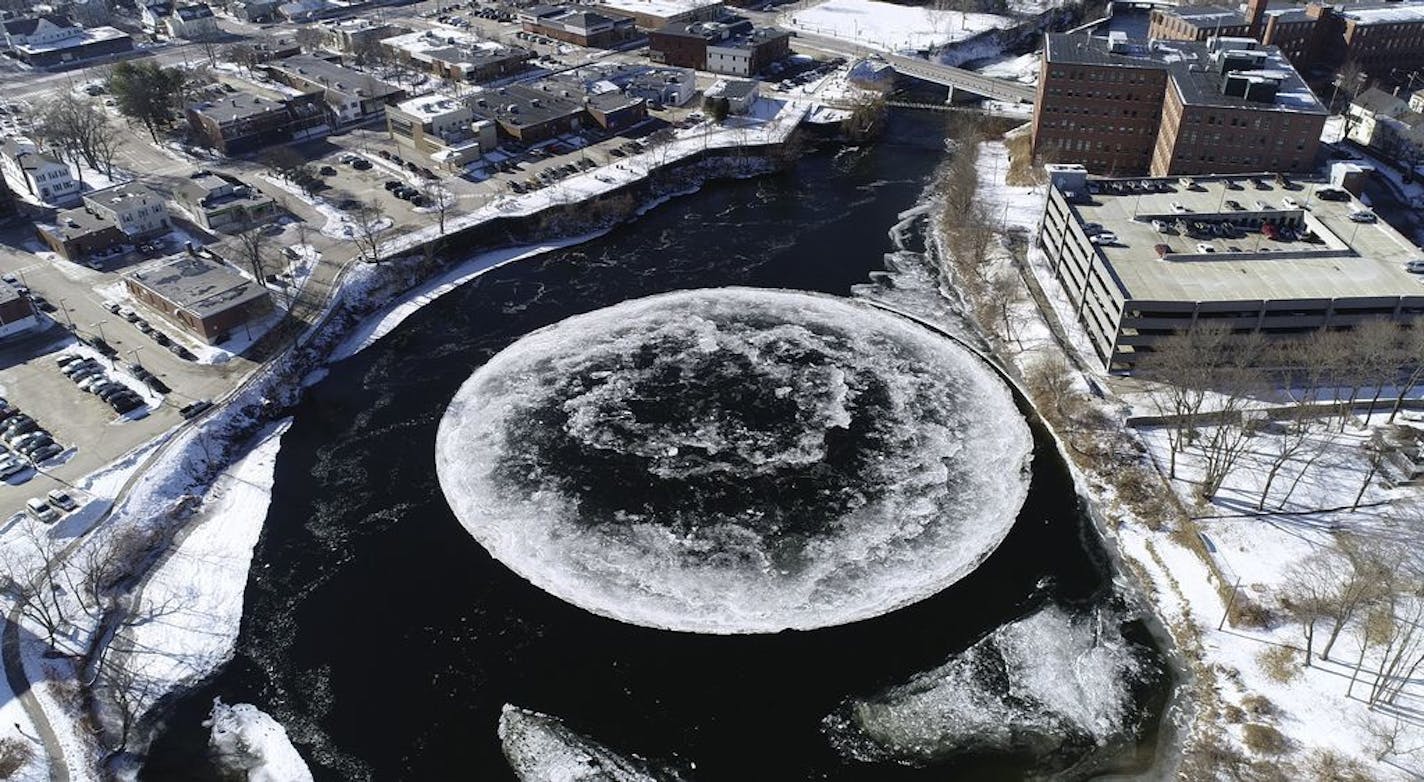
x=1379, y=36
x=1129, y=108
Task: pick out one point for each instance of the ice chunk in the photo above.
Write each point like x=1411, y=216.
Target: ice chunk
x=249, y=744
x=541, y=748
x=1051, y=684
x=736, y=460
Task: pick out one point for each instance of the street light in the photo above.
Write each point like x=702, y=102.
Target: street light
x=100, y=326
x=65, y=310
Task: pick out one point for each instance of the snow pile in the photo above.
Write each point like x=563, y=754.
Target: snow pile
x=541, y=748
x=736, y=461
x=246, y=741
x=1052, y=684
x=889, y=27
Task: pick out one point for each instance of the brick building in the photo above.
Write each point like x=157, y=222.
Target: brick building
x=459, y=57
x=1379, y=36
x=200, y=296
x=243, y=122
x=1128, y=108
x=731, y=45
x=579, y=25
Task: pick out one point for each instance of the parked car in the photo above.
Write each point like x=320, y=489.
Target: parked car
x=392, y=184
x=1361, y=216
x=195, y=408
x=1332, y=194
x=39, y=510
x=9, y=466
x=326, y=171
x=61, y=500
x=361, y=164
x=48, y=452
x=1415, y=266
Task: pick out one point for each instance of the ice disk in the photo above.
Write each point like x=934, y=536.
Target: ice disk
x=541, y=748
x=1052, y=684
x=736, y=460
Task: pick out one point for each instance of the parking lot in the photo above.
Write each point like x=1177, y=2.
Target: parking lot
x=91, y=431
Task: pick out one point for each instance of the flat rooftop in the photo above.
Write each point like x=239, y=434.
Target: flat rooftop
x=237, y=105
x=198, y=285
x=1189, y=66
x=1349, y=259
x=664, y=8
x=1382, y=13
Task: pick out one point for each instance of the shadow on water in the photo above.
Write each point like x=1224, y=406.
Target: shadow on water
x=386, y=640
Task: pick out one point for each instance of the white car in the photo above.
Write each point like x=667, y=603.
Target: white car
x=1261, y=205
x=1362, y=217
x=9, y=466
x=1290, y=203
x=1205, y=247
x=1177, y=207
x=1106, y=237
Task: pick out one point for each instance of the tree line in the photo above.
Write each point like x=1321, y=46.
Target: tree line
x=1212, y=384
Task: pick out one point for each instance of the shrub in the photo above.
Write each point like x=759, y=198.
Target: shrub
x=1264, y=739
x=1326, y=766
x=1279, y=663
x=1258, y=706
x=14, y=755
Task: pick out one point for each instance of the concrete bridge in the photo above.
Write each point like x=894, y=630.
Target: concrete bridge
x=960, y=80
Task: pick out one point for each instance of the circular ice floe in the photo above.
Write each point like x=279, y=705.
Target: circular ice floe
x=736, y=461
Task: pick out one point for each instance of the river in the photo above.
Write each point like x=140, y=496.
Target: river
x=386, y=639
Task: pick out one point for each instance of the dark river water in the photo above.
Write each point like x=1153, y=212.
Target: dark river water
x=386, y=639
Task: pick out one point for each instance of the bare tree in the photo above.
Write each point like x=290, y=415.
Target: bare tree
x=74, y=127
x=370, y=226
x=32, y=582
x=1307, y=591
x=1403, y=649
x=245, y=55
x=309, y=37
x=1411, y=350
x=442, y=201
x=252, y=245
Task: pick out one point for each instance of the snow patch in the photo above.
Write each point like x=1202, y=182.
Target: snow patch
x=247, y=741
x=541, y=748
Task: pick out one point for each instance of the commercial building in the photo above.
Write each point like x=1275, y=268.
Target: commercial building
x=357, y=35
x=219, y=202
x=1389, y=126
x=578, y=25
x=531, y=113
x=351, y=96
x=1173, y=107
x=37, y=172
x=1141, y=260
x=17, y=313
x=444, y=132
x=1379, y=36
x=253, y=10
x=200, y=296
x=616, y=110
x=459, y=57
x=243, y=122
x=136, y=210
x=78, y=234
x=656, y=14
x=663, y=86
x=740, y=94
x=731, y=45
x=50, y=40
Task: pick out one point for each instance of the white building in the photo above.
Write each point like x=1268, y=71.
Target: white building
x=741, y=94
x=154, y=15
x=38, y=31
x=664, y=86
x=136, y=210
x=192, y=22
x=37, y=173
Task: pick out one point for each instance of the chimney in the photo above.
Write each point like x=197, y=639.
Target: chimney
x=1255, y=12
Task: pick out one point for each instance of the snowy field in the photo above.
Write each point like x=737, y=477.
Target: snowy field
x=888, y=27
